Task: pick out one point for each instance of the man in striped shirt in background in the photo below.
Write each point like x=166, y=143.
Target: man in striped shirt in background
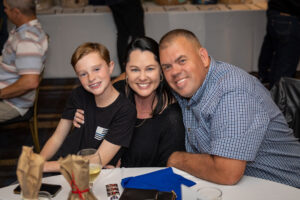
x=22, y=59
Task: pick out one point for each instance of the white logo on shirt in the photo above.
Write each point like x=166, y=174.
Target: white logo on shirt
x=100, y=133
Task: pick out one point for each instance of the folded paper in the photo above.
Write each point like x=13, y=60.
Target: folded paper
x=30, y=173
x=163, y=180
x=76, y=171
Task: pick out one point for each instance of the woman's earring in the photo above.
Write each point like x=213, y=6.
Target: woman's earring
x=161, y=77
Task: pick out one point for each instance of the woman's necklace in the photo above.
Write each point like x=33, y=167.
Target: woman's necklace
x=144, y=112
x=140, y=124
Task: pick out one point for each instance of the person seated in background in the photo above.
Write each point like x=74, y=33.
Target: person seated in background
x=233, y=127
x=22, y=59
x=110, y=116
x=159, y=129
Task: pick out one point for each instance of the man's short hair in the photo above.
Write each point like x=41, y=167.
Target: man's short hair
x=87, y=48
x=27, y=7
x=171, y=35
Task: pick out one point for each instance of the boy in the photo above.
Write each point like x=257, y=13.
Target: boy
x=110, y=117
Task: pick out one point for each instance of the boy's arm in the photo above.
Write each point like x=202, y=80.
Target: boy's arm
x=55, y=141
x=107, y=151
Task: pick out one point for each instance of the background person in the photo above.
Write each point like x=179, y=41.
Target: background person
x=22, y=59
x=129, y=19
x=159, y=129
x=232, y=125
x=110, y=115
x=280, y=51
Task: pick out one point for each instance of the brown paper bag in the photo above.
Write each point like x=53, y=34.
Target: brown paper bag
x=76, y=170
x=30, y=173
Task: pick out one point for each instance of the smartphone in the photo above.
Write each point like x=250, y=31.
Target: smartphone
x=51, y=188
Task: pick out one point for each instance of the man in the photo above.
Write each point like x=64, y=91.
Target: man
x=22, y=59
x=280, y=51
x=232, y=125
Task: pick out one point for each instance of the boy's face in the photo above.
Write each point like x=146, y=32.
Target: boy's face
x=94, y=73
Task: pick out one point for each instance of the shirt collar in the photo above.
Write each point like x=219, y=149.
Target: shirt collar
x=28, y=24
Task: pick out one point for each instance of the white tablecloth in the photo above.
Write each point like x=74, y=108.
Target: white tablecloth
x=249, y=188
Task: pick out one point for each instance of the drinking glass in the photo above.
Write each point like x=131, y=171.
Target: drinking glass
x=43, y=195
x=95, y=164
x=210, y=193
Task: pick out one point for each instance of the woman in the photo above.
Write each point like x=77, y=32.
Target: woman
x=159, y=129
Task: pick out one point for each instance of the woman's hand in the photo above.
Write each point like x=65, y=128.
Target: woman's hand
x=78, y=118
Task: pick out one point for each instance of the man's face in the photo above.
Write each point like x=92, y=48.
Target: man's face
x=10, y=12
x=184, y=65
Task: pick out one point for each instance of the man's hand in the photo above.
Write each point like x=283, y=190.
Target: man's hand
x=213, y=168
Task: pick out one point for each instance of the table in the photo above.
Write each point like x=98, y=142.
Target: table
x=249, y=188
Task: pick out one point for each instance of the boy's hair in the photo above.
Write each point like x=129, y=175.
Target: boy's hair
x=27, y=7
x=171, y=35
x=88, y=48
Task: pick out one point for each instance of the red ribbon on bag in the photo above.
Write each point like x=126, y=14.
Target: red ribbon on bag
x=77, y=191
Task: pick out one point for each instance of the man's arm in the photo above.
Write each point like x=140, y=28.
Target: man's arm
x=24, y=84
x=208, y=167
x=238, y=121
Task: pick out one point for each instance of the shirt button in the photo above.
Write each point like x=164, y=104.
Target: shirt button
x=188, y=107
x=189, y=129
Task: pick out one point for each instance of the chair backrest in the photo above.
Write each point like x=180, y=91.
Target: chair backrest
x=37, y=90
x=286, y=94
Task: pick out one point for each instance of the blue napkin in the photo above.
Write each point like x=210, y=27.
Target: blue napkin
x=164, y=180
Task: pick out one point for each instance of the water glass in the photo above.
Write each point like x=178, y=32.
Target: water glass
x=210, y=193
x=95, y=164
x=43, y=195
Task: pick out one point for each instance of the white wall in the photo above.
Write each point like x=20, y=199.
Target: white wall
x=234, y=36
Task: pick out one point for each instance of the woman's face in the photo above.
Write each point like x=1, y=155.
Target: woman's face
x=143, y=73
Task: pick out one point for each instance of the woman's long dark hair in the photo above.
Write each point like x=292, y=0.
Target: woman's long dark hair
x=163, y=91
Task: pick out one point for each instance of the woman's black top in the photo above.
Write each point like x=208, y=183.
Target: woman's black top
x=154, y=139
